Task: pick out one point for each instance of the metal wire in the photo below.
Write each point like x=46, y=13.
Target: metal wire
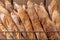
x=30, y=32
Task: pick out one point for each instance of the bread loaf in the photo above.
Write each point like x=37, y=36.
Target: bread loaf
x=35, y=21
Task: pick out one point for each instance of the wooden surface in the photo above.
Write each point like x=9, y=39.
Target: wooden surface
x=36, y=1
x=25, y=1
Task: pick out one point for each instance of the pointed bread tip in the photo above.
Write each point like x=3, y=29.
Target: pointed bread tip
x=15, y=4
x=41, y=4
x=29, y=4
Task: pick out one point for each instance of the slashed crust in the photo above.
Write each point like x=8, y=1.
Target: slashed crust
x=48, y=25
x=1, y=4
x=4, y=31
x=8, y=22
x=56, y=19
x=52, y=6
x=8, y=5
x=25, y=20
x=35, y=21
x=18, y=22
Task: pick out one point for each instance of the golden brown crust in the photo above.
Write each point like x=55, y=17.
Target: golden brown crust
x=28, y=18
x=48, y=25
x=4, y=31
x=18, y=22
x=1, y=4
x=52, y=6
x=3, y=10
x=8, y=5
x=26, y=22
x=56, y=19
x=7, y=21
x=35, y=21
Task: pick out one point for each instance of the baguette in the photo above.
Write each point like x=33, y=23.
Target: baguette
x=35, y=21
x=4, y=31
x=8, y=5
x=52, y=6
x=3, y=10
x=26, y=22
x=56, y=20
x=7, y=21
x=1, y=4
x=18, y=22
x=48, y=25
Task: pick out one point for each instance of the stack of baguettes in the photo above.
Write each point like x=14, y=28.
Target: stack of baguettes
x=32, y=20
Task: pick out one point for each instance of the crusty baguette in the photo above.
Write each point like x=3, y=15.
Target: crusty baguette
x=15, y=5
x=18, y=22
x=52, y=6
x=4, y=31
x=8, y=5
x=25, y=20
x=7, y=21
x=3, y=10
x=48, y=25
x=1, y=4
x=35, y=21
x=56, y=19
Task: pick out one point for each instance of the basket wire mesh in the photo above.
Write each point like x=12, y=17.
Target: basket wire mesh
x=30, y=32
